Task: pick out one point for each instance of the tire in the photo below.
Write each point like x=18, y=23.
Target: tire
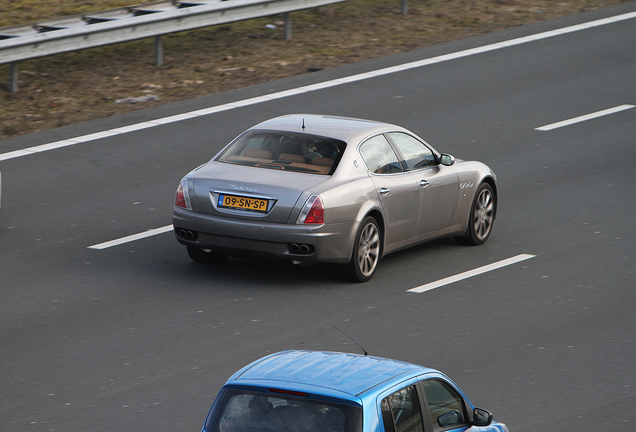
x=200, y=255
x=366, y=253
x=482, y=216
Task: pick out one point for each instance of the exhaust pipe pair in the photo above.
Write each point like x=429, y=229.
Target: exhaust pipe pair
x=300, y=248
x=186, y=234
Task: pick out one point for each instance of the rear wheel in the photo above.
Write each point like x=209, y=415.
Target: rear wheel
x=206, y=255
x=482, y=216
x=366, y=253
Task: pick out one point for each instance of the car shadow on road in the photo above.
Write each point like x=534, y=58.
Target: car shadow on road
x=283, y=274
x=265, y=273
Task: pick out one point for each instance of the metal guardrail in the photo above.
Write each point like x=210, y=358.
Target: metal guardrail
x=90, y=30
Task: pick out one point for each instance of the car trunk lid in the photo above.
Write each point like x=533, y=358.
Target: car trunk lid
x=244, y=192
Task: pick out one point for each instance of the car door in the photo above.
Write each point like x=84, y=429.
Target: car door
x=438, y=184
x=446, y=409
x=397, y=190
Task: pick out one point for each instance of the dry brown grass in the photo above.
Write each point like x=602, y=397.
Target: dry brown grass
x=80, y=86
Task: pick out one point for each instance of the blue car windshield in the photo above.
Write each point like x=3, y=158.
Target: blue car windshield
x=248, y=411
x=286, y=151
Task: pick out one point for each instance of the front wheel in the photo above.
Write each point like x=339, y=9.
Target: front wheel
x=482, y=216
x=366, y=253
x=206, y=256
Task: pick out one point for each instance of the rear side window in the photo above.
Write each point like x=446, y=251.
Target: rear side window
x=379, y=156
x=401, y=411
x=285, y=151
x=246, y=411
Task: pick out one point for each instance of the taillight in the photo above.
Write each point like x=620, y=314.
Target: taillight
x=313, y=212
x=182, y=199
x=179, y=200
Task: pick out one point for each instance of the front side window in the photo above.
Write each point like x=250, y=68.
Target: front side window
x=379, y=156
x=446, y=406
x=401, y=411
x=247, y=411
x=285, y=151
x=416, y=154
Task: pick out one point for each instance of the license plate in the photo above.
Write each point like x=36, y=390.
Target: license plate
x=243, y=203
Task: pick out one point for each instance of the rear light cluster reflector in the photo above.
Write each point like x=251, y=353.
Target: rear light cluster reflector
x=313, y=211
x=182, y=198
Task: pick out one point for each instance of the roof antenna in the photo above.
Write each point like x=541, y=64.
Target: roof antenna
x=303, y=124
x=363, y=350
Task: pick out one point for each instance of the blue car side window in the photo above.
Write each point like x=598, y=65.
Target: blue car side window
x=446, y=406
x=401, y=411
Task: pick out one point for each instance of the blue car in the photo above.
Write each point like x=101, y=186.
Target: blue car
x=310, y=391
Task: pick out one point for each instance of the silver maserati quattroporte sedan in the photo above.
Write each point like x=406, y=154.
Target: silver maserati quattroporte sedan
x=309, y=188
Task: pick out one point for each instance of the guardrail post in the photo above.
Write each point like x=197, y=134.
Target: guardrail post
x=158, y=51
x=288, y=26
x=13, y=77
x=405, y=7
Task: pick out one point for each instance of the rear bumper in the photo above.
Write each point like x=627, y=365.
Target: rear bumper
x=326, y=243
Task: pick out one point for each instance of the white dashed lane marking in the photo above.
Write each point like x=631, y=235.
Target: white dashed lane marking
x=471, y=273
x=132, y=238
x=584, y=118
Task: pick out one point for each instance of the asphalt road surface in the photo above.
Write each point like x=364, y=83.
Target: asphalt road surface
x=134, y=336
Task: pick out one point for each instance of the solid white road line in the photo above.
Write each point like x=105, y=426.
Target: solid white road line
x=585, y=118
x=132, y=238
x=314, y=87
x=471, y=273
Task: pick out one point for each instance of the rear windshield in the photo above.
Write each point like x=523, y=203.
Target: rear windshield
x=285, y=151
x=246, y=411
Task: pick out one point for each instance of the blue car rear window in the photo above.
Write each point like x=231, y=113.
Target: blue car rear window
x=248, y=411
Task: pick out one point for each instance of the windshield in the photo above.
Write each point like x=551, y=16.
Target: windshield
x=246, y=411
x=285, y=151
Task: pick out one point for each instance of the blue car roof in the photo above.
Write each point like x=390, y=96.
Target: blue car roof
x=349, y=373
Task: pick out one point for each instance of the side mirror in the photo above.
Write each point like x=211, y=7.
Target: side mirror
x=447, y=160
x=481, y=417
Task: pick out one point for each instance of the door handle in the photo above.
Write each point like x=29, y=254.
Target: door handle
x=384, y=191
x=424, y=183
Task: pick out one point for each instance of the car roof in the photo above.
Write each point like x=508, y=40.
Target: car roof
x=342, y=128
x=349, y=373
